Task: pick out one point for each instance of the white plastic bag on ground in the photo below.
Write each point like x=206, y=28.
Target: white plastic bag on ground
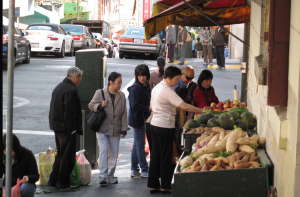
x=84, y=168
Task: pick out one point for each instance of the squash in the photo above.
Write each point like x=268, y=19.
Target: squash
x=250, y=119
x=203, y=125
x=217, y=116
x=239, y=110
x=205, y=117
x=213, y=122
x=241, y=124
x=234, y=115
x=226, y=121
x=191, y=124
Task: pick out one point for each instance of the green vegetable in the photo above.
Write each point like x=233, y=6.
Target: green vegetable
x=250, y=119
x=242, y=124
x=185, y=166
x=194, y=123
x=234, y=115
x=222, y=154
x=213, y=122
x=205, y=117
x=239, y=110
x=226, y=100
x=235, y=127
x=254, y=146
x=226, y=121
x=214, y=112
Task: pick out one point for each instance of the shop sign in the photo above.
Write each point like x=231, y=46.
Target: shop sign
x=146, y=9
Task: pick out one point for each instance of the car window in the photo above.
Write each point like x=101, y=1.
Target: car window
x=40, y=27
x=62, y=30
x=87, y=32
x=90, y=33
x=135, y=31
x=18, y=31
x=5, y=29
x=73, y=28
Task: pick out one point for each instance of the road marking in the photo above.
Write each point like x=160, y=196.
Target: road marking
x=226, y=66
x=31, y=132
x=124, y=90
x=176, y=62
x=54, y=60
x=21, y=102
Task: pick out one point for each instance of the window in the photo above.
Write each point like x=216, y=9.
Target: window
x=18, y=31
x=40, y=27
x=73, y=28
x=61, y=30
x=135, y=31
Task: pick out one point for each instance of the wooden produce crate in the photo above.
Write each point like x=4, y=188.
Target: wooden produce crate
x=248, y=182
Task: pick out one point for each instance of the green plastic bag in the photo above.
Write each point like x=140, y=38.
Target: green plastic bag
x=74, y=177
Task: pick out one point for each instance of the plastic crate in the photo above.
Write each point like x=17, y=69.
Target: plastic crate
x=189, y=140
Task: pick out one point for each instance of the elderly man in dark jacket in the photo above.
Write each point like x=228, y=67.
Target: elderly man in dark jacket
x=24, y=167
x=65, y=120
x=219, y=43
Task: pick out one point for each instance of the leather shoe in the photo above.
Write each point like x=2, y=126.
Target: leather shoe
x=166, y=192
x=154, y=191
x=51, y=184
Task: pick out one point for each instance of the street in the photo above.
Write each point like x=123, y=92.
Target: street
x=34, y=82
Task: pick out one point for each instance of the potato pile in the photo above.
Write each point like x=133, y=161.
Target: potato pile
x=238, y=160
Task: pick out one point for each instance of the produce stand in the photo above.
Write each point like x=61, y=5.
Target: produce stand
x=234, y=183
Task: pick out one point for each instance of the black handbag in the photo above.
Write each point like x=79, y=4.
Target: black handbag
x=95, y=119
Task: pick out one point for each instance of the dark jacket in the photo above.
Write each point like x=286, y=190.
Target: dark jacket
x=182, y=36
x=139, y=102
x=219, y=39
x=198, y=46
x=65, y=108
x=204, y=97
x=24, y=165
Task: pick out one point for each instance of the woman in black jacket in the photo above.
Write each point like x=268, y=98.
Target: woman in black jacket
x=24, y=167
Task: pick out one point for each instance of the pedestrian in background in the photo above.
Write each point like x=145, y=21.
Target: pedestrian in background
x=24, y=167
x=181, y=43
x=206, y=36
x=171, y=41
x=164, y=102
x=199, y=48
x=139, y=111
x=219, y=43
x=158, y=75
x=65, y=120
x=113, y=127
x=193, y=48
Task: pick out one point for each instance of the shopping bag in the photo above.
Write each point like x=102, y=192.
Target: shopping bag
x=45, y=164
x=84, y=168
x=15, y=190
x=147, y=150
x=75, y=177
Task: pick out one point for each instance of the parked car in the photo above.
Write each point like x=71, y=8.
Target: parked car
x=100, y=40
x=47, y=38
x=21, y=45
x=82, y=36
x=109, y=47
x=133, y=43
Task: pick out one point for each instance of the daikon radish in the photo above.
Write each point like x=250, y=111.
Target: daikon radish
x=230, y=144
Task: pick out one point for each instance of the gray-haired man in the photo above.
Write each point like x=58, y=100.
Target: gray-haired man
x=65, y=120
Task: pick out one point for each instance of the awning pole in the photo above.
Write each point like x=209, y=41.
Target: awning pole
x=215, y=22
x=10, y=91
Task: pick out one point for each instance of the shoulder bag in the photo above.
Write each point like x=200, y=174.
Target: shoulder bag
x=95, y=119
x=189, y=37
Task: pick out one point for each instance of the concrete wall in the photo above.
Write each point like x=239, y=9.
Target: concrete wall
x=280, y=126
x=235, y=46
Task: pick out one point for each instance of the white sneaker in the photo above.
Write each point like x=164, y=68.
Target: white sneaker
x=145, y=174
x=211, y=64
x=223, y=68
x=219, y=68
x=134, y=173
x=112, y=180
x=102, y=181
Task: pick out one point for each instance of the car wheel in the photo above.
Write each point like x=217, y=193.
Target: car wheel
x=27, y=61
x=62, y=51
x=121, y=55
x=71, y=50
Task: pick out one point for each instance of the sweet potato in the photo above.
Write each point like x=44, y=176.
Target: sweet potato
x=254, y=158
x=198, y=168
x=244, y=160
x=217, y=129
x=207, y=156
x=214, y=168
x=246, y=148
x=219, y=162
x=209, y=166
x=239, y=155
x=201, y=137
x=243, y=165
x=192, y=170
x=246, y=141
x=204, y=168
x=222, y=135
x=220, y=168
x=212, y=162
x=232, y=159
x=228, y=167
x=206, y=150
x=226, y=161
x=230, y=144
x=224, y=139
x=195, y=164
x=261, y=141
x=255, y=163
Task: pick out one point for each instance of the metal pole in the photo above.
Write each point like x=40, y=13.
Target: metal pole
x=214, y=22
x=10, y=91
x=245, y=59
x=83, y=129
x=77, y=9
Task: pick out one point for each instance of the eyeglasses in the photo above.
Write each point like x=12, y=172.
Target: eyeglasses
x=188, y=78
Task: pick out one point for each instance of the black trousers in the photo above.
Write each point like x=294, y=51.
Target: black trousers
x=161, y=157
x=64, y=159
x=148, y=134
x=220, y=56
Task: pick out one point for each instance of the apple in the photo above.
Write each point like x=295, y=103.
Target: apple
x=213, y=105
x=221, y=104
x=214, y=108
x=243, y=104
x=210, y=108
x=234, y=106
x=236, y=102
x=231, y=105
x=217, y=106
x=221, y=109
x=228, y=103
x=238, y=106
x=226, y=106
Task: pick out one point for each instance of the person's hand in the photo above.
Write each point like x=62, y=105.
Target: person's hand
x=122, y=135
x=150, y=109
x=176, y=45
x=182, y=44
x=104, y=103
x=213, y=46
x=167, y=42
x=25, y=179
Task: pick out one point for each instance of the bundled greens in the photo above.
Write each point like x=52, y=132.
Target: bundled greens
x=222, y=154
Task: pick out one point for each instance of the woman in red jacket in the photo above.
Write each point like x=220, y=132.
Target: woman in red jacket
x=204, y=94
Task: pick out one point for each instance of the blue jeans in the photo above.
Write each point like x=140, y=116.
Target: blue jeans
x=27, y=190
x=138, y=155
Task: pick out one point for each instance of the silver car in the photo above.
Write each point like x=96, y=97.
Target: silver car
x=133, y=44
x=82, y=36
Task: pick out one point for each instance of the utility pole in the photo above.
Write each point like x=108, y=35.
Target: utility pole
x=10, y=91
x=77, y=9
x=245, y=59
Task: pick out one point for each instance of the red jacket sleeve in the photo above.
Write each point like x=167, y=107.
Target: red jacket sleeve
x=199, y=98
x=215, y=98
